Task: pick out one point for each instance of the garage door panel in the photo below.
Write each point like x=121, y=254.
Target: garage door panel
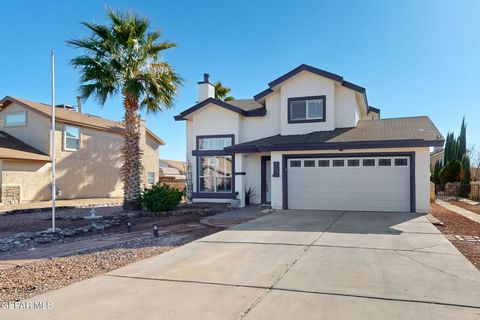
x=362, y=188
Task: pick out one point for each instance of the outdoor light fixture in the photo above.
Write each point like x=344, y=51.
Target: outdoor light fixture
x=155, y=230
x=129, y=226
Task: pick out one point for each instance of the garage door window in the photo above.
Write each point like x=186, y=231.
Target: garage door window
x=369, y=162
x=295, y=164
x=309, y=163
x=323, y=163
x=401, y=162
x=384, y=162
x=338, y=163
x=353, y=162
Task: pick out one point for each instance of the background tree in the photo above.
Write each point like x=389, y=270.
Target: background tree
x=435, y=176
x=124, y=57
x=462, y=141
x=222, y=92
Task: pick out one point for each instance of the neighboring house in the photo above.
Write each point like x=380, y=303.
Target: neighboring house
x=172, y=168
x=310, y=141
x=436, y=155
x=88, y=153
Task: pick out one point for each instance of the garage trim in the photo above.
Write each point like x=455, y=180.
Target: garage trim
x=286, y=157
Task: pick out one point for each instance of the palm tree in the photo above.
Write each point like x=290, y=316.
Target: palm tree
x=222, y=92
x=124, y=57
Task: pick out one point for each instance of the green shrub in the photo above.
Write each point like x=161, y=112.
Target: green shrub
x=451, y=172
x=160, y=197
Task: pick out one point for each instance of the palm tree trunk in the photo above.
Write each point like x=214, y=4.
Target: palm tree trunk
x=132, y=155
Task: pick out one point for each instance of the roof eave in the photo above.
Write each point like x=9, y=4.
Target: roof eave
x=338, y=145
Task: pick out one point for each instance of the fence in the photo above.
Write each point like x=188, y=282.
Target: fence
x=456, y=191
x=173, y=182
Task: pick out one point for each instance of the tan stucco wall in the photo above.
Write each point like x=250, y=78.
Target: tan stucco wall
x=150, y=158
x=37, y=131
x=93, y=171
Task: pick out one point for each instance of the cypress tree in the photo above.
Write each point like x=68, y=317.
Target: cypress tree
x=462, y=141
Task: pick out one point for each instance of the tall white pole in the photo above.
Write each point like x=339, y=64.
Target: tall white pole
x=54, y=186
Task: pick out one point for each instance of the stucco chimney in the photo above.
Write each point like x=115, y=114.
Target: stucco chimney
x=205, y=89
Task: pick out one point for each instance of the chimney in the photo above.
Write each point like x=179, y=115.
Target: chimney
x=79, y=104
x=205, y=89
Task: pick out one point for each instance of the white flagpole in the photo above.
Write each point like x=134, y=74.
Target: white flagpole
x=54, y=187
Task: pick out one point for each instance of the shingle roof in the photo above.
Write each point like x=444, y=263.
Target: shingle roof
x=395, y=132
x=73, y=117
x=12, y=148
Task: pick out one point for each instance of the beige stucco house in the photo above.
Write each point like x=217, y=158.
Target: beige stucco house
x=309, y=141
x=88, y=153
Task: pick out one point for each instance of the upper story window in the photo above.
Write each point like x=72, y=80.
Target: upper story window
x=214, y=143
x=14, y=119
x=306, y=109
x=150, y=177
x=72, y=138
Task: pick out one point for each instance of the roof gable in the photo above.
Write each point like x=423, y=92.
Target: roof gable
x=251, y=112
x=320, y=72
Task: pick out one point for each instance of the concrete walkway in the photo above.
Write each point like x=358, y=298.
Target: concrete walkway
x=287, y=265
x=233, y=217
x=463, y=212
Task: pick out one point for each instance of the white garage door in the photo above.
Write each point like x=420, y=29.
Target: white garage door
x=358, y=184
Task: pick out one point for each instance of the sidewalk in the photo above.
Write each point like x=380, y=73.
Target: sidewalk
x=463, y=212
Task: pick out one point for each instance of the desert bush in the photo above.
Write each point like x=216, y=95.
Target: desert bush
x=160, y=197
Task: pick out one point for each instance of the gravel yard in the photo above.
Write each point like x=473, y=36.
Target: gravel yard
x=455, y=224
x=31, y=279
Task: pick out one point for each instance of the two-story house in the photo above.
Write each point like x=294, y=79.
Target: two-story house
x=309, y=141
x=88, y=153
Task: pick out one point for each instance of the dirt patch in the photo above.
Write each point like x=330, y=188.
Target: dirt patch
x=72, y=218
x=28, y=280
x=464, y=205
x=455, y=224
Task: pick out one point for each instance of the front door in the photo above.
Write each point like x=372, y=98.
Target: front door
x=266, y=182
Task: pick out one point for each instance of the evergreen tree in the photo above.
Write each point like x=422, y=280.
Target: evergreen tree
x=436, y=172
x=462, y=141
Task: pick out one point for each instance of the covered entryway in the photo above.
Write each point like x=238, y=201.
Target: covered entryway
x=354, y=183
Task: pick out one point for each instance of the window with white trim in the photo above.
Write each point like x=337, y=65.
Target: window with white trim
x=71, y=138
x=14, y=119
x=215, y=174
x=214, y=143
x=308, y=109
x=151, y=177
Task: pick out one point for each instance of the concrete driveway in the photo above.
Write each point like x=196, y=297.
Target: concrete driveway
x=288, y=265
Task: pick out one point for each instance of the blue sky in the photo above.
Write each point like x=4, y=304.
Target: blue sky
x=413, y=57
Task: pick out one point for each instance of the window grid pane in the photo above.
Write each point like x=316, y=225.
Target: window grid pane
x=369, y=162
x=384, y=162
x=309, y=163
x=215, y=174
x=323, y=163
x=401, y=162
x=295, y=164
x=338, y=163
x=353, y=162
x=298, y=110
x=315, y=109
